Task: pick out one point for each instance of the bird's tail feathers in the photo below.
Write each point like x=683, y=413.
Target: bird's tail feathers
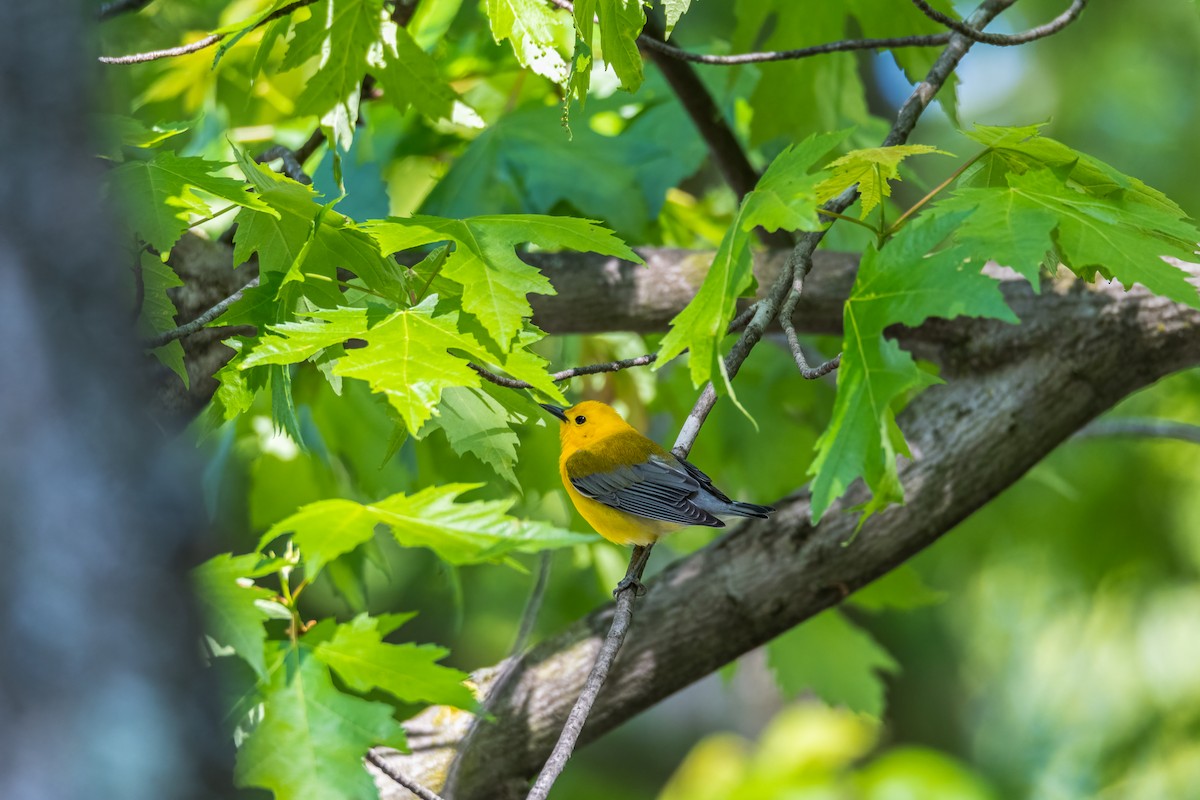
x=749, y=509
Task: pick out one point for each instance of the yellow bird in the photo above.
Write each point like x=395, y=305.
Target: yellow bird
x=631, y=490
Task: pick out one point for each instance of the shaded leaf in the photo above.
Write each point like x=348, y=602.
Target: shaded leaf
x=312, y=738
x=408, y=672
x=837, y=661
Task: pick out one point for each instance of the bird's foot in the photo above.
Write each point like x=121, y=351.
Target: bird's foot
x=628, y=582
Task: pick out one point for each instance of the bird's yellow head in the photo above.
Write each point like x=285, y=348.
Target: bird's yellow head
x=586, y=422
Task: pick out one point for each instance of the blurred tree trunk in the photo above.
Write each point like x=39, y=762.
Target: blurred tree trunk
x=102, y=693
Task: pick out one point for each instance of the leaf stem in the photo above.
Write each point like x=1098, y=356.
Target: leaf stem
x=830, y=213
x=345, y=285
x=903, y=218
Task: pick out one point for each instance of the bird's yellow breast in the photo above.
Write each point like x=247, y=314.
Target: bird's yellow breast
x=622, y=448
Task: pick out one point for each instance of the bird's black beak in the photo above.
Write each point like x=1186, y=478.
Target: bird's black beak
x=557, y=411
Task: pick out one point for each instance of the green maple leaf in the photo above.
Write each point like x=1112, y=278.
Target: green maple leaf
x=476, y=423
x=621, y=22
x=536, y=31
x=494, y=280
x=300, y=236
x=312, y=738
x=898, y=284
x=293, y=342
x=408, y=672
x=465, y=533
x=323, y=531
x=702, y=323
x=674, y=10
x=460, y=533
x=902, y=588
x=339, y=34
x=159, y=194
x=407, y=359
x=795, y=98
x=786, y=195
x=410, y=76
x=232, y=609
x=871, y=169
x=158, y=312
x=1078, y=209
x=847, y=673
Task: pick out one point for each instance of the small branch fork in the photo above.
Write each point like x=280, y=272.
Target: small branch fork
x=1004, y=39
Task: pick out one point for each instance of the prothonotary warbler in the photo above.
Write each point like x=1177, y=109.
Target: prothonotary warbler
x=631, y=490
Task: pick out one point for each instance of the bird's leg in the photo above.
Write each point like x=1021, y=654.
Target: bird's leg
x=633, y=575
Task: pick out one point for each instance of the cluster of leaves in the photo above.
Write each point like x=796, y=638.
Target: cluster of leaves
x=300, y=732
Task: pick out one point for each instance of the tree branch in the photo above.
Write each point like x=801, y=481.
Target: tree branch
x=199, y=44
x=789, y=328
x=1004, y=39
x=841, y=46
x=1079, y=350
x=200, y=321
x=1142, y=428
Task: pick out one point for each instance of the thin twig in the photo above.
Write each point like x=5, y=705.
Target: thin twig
x=1148, y=428
x=789, y=328
x=528, y=619
x=199, y=44
x=932, y=193
x=110, y=10
x=841, y=46
x=622, y=618
x=199, y=322
x=736, y=324
x=566, y=374
x=1004, y=39
x=408, y=783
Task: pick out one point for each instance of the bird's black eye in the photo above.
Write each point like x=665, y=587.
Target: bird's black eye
x=580, y=419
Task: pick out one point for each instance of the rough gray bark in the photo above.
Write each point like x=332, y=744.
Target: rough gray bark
x=102, y=693
x=1013, y=394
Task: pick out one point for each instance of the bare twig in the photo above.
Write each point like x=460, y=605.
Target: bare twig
x=528, y=619
x=199, y=44
x=199, y=322
x=117, y=7
x=408, y=783
x=789, y=328
x=1148, y=428
x=566, y=374
x=844, y=45
x=735, y=325
x=1004, y=39
x=622, y=618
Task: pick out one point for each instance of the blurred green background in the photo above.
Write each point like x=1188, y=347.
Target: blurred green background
x=1055, y=649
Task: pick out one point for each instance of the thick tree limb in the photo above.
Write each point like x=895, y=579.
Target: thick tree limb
x=1078, y=351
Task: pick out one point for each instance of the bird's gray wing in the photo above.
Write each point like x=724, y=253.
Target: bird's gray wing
x=656, y=489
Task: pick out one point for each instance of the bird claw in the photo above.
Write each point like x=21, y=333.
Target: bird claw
x=628, y=581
